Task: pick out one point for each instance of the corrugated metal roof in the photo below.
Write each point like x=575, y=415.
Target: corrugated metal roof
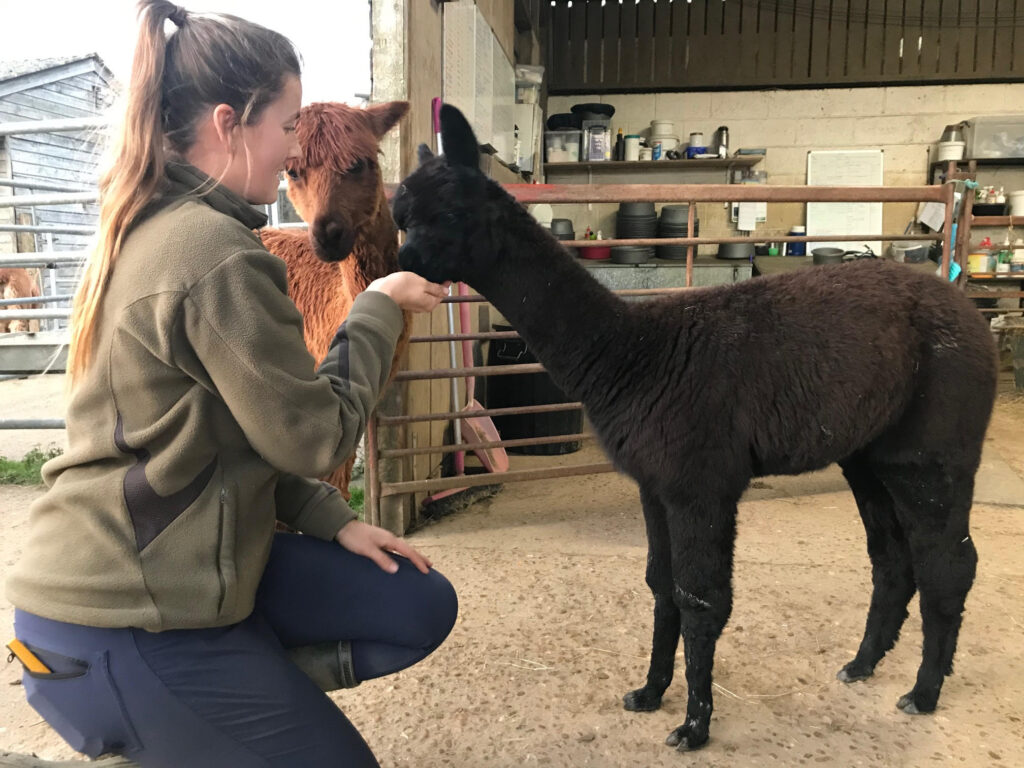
x=11, y=68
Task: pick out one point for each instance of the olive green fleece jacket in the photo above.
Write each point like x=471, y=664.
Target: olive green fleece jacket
x=197, y=424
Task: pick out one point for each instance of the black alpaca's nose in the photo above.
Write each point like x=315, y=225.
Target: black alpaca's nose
x=408, y=258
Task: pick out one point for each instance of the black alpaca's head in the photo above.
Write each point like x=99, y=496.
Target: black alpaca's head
x=441, y=206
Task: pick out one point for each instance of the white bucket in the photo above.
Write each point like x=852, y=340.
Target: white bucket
x=1016, y=201
x=950, y=150
x=662, y=128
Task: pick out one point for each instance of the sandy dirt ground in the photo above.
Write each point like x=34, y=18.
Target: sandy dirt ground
x=555, y=626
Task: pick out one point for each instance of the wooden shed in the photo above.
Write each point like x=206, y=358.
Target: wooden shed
x=49, y=89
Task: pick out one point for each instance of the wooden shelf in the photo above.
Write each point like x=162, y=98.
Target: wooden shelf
x=997, y=221
x=982, y=161
x=993, y=276
x=739, y=161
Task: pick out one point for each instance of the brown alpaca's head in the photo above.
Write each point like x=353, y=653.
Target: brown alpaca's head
x=335, y=185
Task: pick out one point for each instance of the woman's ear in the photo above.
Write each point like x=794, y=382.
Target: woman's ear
x=225, y=121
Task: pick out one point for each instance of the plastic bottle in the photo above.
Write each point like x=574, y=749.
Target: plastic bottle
x=620, y=147
x=1017, y=260
x=797, y=249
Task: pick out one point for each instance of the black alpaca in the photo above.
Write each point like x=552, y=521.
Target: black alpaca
x=889, y=372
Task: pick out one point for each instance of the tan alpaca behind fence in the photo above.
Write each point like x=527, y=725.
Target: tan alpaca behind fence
x=17, y=284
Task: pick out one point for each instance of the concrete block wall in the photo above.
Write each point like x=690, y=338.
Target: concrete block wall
x=905, y=121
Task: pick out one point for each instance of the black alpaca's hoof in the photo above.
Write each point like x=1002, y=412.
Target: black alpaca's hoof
x=855, y=671
x=687, y=737
x=642, y=700
x=914, y=704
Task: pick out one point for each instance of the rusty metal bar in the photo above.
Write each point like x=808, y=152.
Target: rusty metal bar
x=371, y=483
x=713, y=193
x=995, y=294
x=394, y=453
x=518, y=410
x=476, y=298
x=460, y=373
x=998, y=221
x=714, y=240
x=469, y=481
x=483, y=336
x=691, y=248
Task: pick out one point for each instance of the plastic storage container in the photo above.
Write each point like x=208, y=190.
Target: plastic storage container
x=797, y=249
x=998, y=137
x=562, y=146
x=528, y=389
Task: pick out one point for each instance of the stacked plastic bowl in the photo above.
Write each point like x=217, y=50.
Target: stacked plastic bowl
x=673, y=223
x=633, y=222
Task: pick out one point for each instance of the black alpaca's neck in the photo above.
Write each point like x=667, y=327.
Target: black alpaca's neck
x=573, y=324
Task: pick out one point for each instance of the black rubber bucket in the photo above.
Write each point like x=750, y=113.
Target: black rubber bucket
x=528, y=389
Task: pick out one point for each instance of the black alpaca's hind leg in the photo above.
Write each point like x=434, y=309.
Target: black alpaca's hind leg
x=892, y=573
x=933, y=504
x=703, y=534
x=666, y=614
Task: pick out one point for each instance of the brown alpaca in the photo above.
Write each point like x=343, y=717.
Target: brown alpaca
x=336, y=187
x=17, y=284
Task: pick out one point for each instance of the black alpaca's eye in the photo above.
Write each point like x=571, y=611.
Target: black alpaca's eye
x=450, y=218
x=357, y=166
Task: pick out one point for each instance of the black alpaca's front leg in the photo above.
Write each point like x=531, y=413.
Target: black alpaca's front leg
x=702, y=534
x=666, y=614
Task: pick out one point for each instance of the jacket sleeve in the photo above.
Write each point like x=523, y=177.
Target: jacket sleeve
x=311, y=506
x=247, y=334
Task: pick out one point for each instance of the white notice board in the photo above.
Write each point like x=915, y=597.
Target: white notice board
x=845, y=168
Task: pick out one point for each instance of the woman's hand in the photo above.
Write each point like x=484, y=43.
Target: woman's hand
x=373, y=542
x=410, y=291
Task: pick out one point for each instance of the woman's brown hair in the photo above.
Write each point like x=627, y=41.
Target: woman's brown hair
x=208, y=60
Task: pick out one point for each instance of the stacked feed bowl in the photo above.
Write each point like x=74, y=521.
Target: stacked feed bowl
x=634, y=221
x=673, y=223
x=562, y=229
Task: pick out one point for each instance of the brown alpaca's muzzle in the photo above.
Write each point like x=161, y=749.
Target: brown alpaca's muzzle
x=332, y=240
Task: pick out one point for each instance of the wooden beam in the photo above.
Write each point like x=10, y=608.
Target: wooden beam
x=46, y=76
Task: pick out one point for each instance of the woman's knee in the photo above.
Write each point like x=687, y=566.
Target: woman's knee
x=440, y=607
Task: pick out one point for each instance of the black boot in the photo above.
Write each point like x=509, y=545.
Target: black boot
x=329, y=665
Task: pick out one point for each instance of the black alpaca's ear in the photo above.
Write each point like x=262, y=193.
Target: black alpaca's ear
x=423, y=153
x=460, y=145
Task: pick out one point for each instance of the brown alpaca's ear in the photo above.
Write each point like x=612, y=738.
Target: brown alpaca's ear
x=385, y=116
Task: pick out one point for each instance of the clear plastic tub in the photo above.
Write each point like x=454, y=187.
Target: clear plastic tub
x=994, y=137
x=562, y=146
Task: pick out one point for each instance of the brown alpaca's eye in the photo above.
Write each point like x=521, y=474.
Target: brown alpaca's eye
x=292, y=174
x=357, y=166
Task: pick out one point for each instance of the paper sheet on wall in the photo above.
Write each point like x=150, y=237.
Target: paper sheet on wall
x=747, y=219
x=933, y=215
x=845, y=168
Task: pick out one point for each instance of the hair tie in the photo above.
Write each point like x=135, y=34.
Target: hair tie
x=178, y=16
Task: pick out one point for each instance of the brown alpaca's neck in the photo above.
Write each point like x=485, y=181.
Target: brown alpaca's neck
x=374, y=254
